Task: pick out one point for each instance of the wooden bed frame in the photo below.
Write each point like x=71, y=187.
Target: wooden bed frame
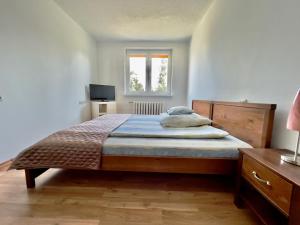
x=252, y=123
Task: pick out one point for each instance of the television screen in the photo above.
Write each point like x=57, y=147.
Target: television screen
x=102, y=92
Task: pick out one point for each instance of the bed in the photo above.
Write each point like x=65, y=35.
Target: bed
x=249, y=125
x=249, y=122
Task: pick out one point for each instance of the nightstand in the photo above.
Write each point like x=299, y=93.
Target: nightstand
x=268, y=186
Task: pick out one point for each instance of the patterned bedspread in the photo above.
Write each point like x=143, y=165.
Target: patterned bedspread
x=78, y=147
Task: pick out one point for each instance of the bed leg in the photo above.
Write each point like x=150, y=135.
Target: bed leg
x=237, y=199
x=31, y=174
x=30, y=179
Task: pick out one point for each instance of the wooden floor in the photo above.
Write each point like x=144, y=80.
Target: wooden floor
x=97, y=198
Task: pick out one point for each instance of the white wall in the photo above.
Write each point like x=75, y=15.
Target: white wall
x=46, y=61
x=250, y=50
x=111, y=71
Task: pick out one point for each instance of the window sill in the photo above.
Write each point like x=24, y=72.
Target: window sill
x=147, y=95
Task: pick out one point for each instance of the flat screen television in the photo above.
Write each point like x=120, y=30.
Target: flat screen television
x=102, y=92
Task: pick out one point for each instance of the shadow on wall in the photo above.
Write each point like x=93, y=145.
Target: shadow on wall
x=281, y=132
x=85, y=111
x=85, y=106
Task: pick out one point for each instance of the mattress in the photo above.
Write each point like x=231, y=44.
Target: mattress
x=122, y=142
x=200, y=148
x=149, y=127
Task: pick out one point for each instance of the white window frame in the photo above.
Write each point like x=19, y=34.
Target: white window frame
x=148, y=52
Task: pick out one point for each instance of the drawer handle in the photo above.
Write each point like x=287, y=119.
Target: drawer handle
x=260, y=180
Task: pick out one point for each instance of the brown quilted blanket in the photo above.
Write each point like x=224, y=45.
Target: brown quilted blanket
x=78, y=147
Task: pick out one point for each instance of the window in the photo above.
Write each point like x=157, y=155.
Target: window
x=148, y=72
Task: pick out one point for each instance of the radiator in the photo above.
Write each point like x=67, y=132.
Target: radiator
x=148, y=108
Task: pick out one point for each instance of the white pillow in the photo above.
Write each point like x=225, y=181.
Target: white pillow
x=187, y=120
x=178, y=110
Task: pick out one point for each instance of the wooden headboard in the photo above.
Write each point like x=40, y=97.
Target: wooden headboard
x=250, y=122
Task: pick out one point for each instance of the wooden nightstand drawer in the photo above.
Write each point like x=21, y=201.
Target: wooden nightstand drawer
x=272, y=186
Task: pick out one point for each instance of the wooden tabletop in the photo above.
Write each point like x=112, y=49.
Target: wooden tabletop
x=272, y=159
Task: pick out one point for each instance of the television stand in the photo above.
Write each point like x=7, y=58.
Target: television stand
x=100, y=108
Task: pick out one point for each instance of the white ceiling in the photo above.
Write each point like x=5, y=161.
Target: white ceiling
x=155, y=20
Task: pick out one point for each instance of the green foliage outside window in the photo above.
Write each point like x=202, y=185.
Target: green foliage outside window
x=162, y=85
x=134, y=84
